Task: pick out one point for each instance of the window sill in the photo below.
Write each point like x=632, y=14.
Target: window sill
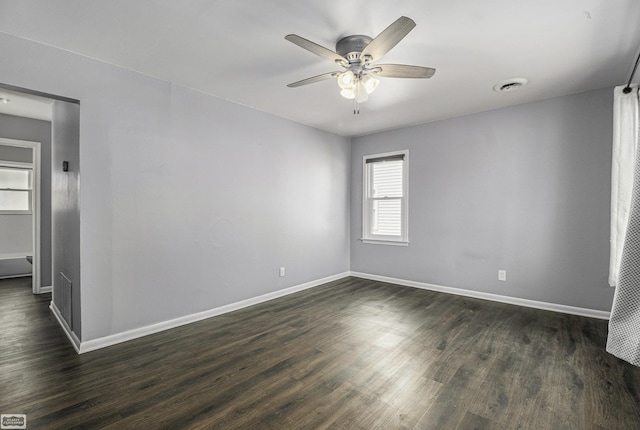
x=385, y=242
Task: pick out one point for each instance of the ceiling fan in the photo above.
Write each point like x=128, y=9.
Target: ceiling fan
x=357, y=54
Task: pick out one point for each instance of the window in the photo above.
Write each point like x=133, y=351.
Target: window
x=15, y=190
x=384, y=205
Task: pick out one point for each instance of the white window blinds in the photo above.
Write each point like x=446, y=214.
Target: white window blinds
x=386, y=196
x=15, y=190
x=384, y=209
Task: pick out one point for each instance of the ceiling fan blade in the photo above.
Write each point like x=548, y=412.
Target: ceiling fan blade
x=314, y=79
x=388, y=39
x=402, y=71
x=315, y=48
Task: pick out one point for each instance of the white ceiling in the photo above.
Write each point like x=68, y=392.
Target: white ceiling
x=236, y=50
x=25, y=105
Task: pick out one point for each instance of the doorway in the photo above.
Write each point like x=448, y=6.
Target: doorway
x=57, y=268
x=20, y=213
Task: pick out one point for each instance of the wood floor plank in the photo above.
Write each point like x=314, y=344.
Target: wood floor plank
x=474, y=422
x=351, y=354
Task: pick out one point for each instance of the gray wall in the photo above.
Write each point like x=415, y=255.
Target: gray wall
x=188, y=202
x=15, y=231
x=524, y=189
x=65, y=191
x=13, y=127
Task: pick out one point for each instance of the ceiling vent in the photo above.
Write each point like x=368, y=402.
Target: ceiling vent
x=510, y=85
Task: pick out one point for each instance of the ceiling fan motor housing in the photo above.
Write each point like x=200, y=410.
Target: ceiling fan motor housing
x=350, y=47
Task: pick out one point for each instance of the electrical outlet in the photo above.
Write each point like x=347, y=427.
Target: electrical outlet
x=281, y=271
x=502, y=275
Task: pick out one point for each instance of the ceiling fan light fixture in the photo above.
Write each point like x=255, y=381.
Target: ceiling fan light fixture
x=362, y=95
x=370, y=83
x=348, y=93
x=347, y=80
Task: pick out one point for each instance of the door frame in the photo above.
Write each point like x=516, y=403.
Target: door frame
x=35, y=207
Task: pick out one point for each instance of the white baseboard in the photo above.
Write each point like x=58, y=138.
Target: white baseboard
x=591, y=313
x=103, y=342
x=67, y=330
x=15, y=256
x=16, y=276
x=47, y=289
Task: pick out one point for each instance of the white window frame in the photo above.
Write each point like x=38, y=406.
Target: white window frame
x=19, y=166
x=367, y=202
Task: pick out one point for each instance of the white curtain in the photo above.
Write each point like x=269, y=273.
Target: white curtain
x=625, y=144
x=624, y=270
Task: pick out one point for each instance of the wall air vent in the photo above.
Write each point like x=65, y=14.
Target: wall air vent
x=65, y=299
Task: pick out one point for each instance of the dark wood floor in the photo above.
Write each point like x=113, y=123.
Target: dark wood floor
x=352, y=354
